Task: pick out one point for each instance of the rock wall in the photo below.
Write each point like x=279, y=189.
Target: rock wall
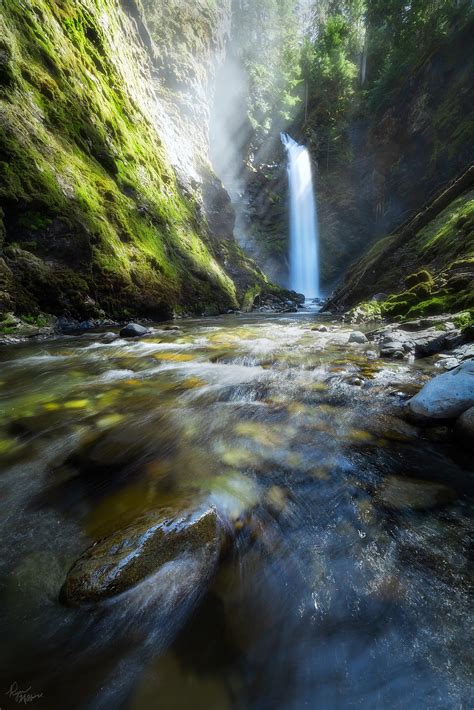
x=108, y=203
x=394, y=162
x=385, y=168
x=426, y=267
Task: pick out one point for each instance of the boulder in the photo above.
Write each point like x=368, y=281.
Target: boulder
x=127, y=557
x=423, y=343
x=396, y=345
x=358, y=337
x=449, y=363
x=464, y=352
x=400, y=493
x=133, y=330
x=446, y=396
x=465, y=428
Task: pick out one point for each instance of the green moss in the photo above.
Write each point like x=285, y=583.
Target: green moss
x=7, y=324
x=463, y=319
x=365, y=311
x=249, y=298
x=86, y=188
x=40, y=321
x=420, y=277
x=433, y=306
x=441, y=258
x=421, y=290
x=394, y=308
x=7, y=74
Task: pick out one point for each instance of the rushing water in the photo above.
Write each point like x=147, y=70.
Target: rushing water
x=304, y=239
x=324, y=598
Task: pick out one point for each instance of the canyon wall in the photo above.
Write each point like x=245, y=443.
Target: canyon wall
x=108, y=202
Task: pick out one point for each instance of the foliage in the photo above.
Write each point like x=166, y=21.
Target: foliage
x=401, y=34
x=357, y=53
x=266, y=40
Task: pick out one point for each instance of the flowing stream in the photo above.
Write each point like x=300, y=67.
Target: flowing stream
x=325, y=596
x=304, y=238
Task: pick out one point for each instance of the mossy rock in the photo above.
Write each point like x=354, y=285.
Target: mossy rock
x=365, y=311
x=421, y=290
x=395, y=308
x=86, y=186
x=7, y=74
x=420, y=277
x=125, y=558
x=430, y=307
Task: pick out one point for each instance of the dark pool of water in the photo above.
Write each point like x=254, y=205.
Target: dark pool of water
x=325, y=598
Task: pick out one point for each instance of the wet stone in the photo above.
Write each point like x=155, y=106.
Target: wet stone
x=399, y=494
x=465, y=428
x=133, y=330
x=125, y=558
x=444, y=397
x=358, y=337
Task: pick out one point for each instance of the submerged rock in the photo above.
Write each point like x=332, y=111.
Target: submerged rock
x=399, y=493
x=130, y=555
x=133, y=330
x=446, y=396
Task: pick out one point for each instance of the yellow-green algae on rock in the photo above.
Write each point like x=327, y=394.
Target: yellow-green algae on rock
x=93, y=218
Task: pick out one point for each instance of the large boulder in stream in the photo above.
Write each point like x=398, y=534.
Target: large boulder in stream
x=444, y=397
x=402, y=341
x=147, y=546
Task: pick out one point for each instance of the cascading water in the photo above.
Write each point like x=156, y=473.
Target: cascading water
x=304, y=237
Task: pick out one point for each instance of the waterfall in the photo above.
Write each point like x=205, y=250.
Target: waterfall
x=304, y=237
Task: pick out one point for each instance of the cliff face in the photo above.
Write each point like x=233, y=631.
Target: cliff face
x=411, y=179
x=426, y=267
x=108, y=202
x=383, y=167
x=393, y=162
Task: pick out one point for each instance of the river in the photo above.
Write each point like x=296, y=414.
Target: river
x=332, y=593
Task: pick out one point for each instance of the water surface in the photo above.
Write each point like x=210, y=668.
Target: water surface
x=325, y=598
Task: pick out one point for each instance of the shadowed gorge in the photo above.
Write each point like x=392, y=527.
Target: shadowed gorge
x=236, y=354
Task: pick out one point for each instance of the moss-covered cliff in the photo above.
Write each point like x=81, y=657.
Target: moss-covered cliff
x=386, y=163
x=100, y=211
x=425, y=267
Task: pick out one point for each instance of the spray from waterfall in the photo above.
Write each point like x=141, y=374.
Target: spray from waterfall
x=304, y=237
